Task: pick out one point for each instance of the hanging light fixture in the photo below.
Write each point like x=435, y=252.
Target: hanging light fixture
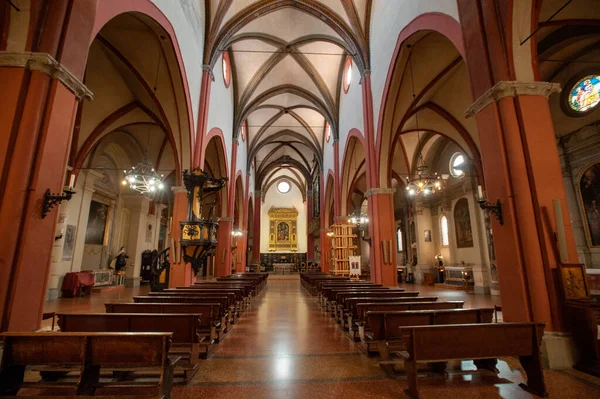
x=358, y=218
x=422, y=182
x=143, y=178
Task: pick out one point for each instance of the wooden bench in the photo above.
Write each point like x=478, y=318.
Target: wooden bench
x=483, y=343
x=324, y=293
x=87, y=353
x=360, y=323
x=239, y=298
x=224, y=311
x=186, y=338
x=210, y=322
x=385, y=333
x=233, y=305
x=340, y=301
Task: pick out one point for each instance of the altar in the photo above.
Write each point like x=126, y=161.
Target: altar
x=283, y=267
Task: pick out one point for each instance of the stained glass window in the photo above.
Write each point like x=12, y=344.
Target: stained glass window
x=585, y=94
x=444, y=230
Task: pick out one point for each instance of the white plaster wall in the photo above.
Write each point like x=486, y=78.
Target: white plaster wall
x=327, y=162
x=220, y=111
x=276, y=199
x=187, y=18
x=351, y=112
x=388, y=19
x=242, y=157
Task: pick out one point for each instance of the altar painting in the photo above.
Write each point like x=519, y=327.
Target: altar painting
x=282, y=229
x=462, y=224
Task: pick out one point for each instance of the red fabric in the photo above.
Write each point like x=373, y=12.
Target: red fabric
x=74, y=282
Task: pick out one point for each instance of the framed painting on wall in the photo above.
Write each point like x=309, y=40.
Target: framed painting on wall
x=427, y=235
x=462, y=224
x=589, y=191
x=96, y=226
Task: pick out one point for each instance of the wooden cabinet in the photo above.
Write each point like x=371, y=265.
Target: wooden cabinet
x=584, y=318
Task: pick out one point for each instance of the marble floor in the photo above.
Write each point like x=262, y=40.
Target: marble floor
x=285, y=347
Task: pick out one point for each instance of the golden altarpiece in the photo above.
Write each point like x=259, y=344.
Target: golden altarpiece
x=282, y=229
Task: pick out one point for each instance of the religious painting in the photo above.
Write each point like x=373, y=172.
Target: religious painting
x=69, y=242
x=427, y=235
x=283, y=232
x=96, y=223
x=573, y=280
x=462, y=224
x=585, y=94
x=149, y=233
x=282, y=229
x=589, y=189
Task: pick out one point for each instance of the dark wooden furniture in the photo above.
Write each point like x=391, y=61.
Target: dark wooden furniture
x=483, y=343
x=224, y=311
x=210, y=322
x=385, y=333
x=185, y=328
x=358, y=323
x=88, y=353
x=584, y=318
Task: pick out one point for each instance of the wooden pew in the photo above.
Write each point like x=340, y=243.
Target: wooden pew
x=88, y=353
x=340, y=301
x=186, y=339
x=324, y=292
x=385, y=325
x=482, y=342
x=226, y=313
x=239, y=301
x=363, y=305
x=210, y=322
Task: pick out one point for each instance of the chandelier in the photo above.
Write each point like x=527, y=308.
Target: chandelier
x=422, y=182
x=143, y=178
x=358, y=219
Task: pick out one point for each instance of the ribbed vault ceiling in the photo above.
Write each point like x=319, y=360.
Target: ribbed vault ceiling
x=287, y=60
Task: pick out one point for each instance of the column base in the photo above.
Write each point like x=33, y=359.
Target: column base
x=558, y=350
x=132, y=282
x=481, y=289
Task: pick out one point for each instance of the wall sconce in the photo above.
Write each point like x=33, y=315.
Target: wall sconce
x=496, y=209
x=51, y=199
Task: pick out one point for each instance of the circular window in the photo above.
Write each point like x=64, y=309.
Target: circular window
x=347, y=74
x=284, y=187
x=226, y=69
x=457, y=164
x=583, y=94
x=327, y=131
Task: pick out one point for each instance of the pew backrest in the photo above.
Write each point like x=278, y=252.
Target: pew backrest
x=184, y=327
x=209, y=311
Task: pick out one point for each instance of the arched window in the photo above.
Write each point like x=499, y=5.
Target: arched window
x=444, y=231
x=327, y=131
x=456, y=165
x=399, y=239
x=226, y=69
x=347, y=77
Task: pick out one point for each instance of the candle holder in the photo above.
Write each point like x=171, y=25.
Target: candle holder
x=51, y=199
x=496, y=209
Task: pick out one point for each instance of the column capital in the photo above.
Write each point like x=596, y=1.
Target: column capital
x=310, y=193
x=45, y=63
x=208, y=68
x=379, y=191
x=340, y=219
x=225, y=219
x=511, y=89
x=257, y=194
x=179, y=189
